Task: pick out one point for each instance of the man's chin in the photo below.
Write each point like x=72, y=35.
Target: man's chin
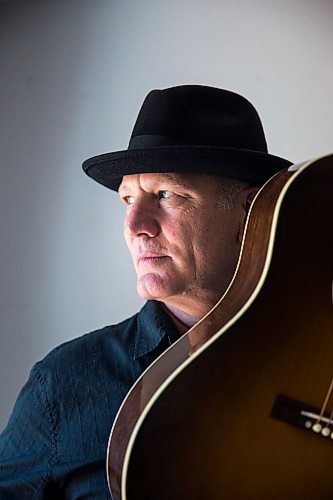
x=152, y=286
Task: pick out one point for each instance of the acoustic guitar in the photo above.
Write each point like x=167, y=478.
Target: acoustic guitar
x=241, y=407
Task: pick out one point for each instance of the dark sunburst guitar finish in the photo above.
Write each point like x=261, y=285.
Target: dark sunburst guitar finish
x=249, y=415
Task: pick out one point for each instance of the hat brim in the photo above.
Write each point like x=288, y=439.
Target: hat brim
x=250, y=166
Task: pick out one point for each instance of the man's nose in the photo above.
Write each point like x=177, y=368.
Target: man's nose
x=141, y=219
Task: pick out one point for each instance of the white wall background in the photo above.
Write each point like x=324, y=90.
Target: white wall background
x=73, y=74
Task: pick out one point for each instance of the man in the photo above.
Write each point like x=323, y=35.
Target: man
x=195, y=159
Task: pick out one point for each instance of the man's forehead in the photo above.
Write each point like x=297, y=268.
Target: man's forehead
x=171, y=178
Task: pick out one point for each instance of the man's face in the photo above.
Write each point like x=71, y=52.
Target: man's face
x=184, y=244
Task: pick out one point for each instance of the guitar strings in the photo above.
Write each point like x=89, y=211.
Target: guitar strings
x=326, y=431
x=317, y=427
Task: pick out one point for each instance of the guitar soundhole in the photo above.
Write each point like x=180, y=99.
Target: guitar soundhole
x=302, y=415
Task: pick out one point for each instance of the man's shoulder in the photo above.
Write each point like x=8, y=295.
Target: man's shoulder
x=112, y=351
x=104, y=342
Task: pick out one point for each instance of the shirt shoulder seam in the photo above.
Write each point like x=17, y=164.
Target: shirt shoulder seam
x=52, y=420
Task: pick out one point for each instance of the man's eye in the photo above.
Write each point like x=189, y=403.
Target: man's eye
x=129, y=200
x=164, y=194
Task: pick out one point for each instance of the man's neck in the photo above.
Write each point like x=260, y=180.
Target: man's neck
x=182, y=320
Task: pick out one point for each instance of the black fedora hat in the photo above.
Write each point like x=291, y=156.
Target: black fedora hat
x=192, y=129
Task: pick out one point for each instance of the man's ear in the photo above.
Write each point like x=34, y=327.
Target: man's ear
x=247, y=197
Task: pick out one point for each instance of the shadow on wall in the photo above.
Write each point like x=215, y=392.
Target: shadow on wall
x=44, y=48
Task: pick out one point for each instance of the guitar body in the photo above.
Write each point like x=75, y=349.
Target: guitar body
x=235, y=420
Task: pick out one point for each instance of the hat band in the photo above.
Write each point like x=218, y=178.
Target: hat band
x=150, y=141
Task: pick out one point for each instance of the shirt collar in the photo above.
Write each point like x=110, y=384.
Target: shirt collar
x=153, y=325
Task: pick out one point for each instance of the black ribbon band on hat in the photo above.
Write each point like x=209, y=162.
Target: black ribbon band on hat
x=151, y=141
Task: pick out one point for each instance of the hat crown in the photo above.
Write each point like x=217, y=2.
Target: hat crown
x=196, y=115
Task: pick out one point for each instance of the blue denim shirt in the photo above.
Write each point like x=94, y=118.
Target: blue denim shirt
x=55, y=443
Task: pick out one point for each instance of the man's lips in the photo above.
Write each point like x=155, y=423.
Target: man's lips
x=150, y=258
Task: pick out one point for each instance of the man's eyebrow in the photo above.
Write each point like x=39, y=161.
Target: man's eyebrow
x=174, y=179
x=171, y=178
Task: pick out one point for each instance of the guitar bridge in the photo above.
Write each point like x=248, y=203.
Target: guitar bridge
x=302, y=415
